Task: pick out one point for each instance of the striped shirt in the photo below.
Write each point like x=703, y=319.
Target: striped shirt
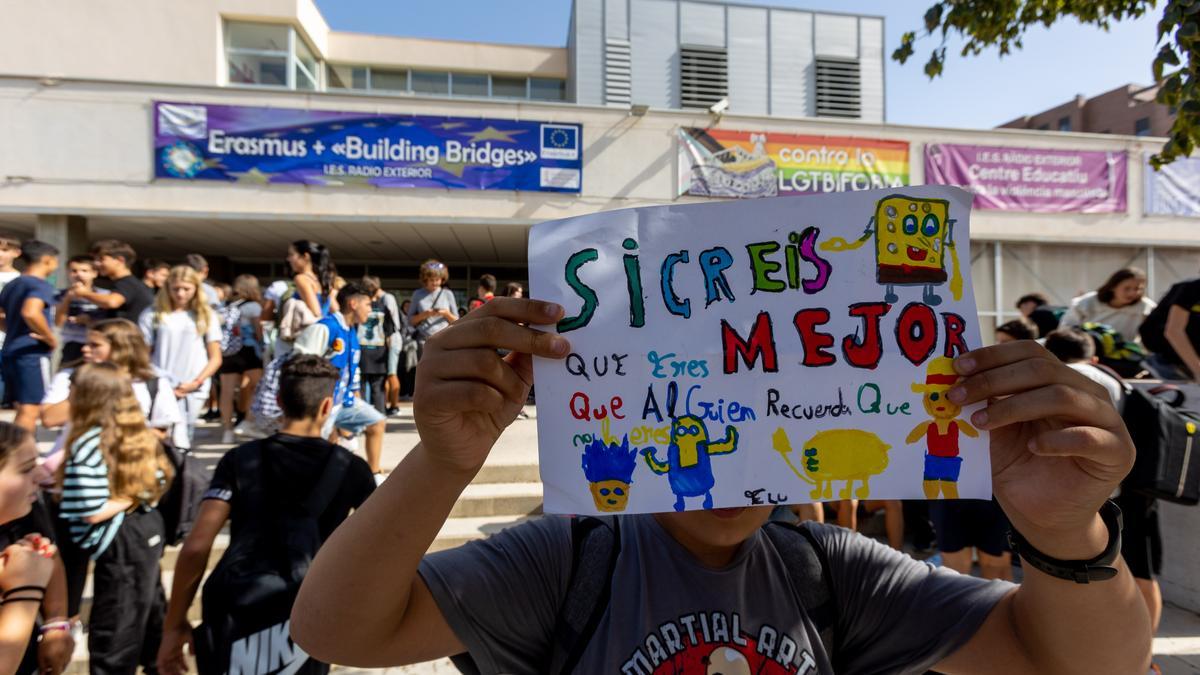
x=85, y=492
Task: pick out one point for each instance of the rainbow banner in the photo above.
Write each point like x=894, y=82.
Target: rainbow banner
x=725, y=163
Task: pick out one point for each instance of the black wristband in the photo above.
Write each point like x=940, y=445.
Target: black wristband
x=1099, y=568
x=23, y=588
x=8, y=600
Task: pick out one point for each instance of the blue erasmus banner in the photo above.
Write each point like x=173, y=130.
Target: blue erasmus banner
x=282, y=145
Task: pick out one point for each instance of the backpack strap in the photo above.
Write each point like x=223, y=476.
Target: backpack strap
x=595, y=546
x=152, y=388
x=808, y=572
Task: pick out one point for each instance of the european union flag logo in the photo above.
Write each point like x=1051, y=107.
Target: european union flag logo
x=560, y=141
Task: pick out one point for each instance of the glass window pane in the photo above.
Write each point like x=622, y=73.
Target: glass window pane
x=469, y=85
x=247, y=69
x=345, y=77
x=260, y=36
x=304, y=55
x=389, y=80
x=545, y=89
x=508, y=87
x=430, y=82
x=304, y=80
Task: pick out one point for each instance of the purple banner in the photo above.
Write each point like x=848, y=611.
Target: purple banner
x=1031, y=179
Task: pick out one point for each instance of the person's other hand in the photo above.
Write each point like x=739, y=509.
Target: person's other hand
x=54, y=652
x=170, y=658
x=29, y=562
x=49, y=340
x=186, y=388
x=466, y=394
x=1058, y=446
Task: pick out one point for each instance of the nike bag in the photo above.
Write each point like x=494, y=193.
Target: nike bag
x=1168, y=451
x=247, y=601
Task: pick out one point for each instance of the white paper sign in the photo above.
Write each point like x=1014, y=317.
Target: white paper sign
x=781, y=350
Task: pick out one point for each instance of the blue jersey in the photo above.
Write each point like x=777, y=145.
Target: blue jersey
x=342, y=351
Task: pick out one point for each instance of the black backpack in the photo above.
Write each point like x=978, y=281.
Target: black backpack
x=1168, y=450
x=595, y=547
x=246, y=605
x=180, y=504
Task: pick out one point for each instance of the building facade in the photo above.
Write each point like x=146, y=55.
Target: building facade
x=84, y=156
x=1128, y=110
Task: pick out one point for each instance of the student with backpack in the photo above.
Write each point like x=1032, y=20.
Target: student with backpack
x=375, y=339
x=696, y=588
x=241, y=356
x=335, y=338
x=285, y=473
x=113, y=474
x=184, y=335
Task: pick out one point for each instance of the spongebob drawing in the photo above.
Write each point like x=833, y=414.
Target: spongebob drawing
x=688, y=466
x=912, y=238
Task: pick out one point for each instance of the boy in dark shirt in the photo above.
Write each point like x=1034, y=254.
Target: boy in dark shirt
x=1172, y=332
x=74, y=313
x=26, y=303
x=129, y=296
x=706, y=591
x=293, y=460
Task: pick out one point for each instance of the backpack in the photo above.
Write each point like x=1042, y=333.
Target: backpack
x=246, y=604
x=231, y=328
x=180, y=504
x=1167, y=465
x=1114, y=351
x=595, y=547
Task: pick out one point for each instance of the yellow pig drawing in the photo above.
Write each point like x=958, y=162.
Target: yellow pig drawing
x=836, y=454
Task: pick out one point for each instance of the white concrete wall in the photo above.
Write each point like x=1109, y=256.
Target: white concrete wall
x=1181, y=555
x=81, y=147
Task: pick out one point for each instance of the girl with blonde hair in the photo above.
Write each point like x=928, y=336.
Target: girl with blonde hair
x=112, y=476
x=241, y=355
x=184, y=336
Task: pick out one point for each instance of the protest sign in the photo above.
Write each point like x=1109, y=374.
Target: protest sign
x=758, y=352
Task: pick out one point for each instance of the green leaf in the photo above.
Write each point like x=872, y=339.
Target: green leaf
x=933, y=17
x=1188, y=31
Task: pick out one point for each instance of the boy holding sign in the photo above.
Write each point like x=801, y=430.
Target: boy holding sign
x=712, y=590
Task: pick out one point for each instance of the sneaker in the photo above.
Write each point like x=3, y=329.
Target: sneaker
x=211, y=415
x=392, y=412
x=522, y=415
x=248, y=429
x=379, y=478
x=228, y=437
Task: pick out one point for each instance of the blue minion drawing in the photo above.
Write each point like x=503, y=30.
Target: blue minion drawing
x=688, y=466
x=609, y=470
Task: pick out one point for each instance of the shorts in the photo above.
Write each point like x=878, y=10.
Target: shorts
x=395, y=346
x=245, y=359
x=962, y=523
x=353, y=420
x=1141, y=540
x=26, y=377
x=942, y=468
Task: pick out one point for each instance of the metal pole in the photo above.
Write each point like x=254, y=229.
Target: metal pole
x=998, y=280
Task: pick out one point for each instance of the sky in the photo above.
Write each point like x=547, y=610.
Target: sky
x=974, y=92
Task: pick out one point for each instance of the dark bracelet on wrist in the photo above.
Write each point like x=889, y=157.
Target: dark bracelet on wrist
x=1099, y=568
x=38, y=600
x=18, y=589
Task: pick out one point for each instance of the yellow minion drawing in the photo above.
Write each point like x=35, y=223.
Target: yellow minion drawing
x=912, y=236
x=688, y=466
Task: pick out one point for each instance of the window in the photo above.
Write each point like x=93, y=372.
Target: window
x=430, y=82
x=270, y=55
x=509, y=87
x=1141, y=127
x=345, y=77
x=703, y=76
x=839, y=88
x=545, y=89
x=389, y=80
x=466, y=84
x=1064, y=124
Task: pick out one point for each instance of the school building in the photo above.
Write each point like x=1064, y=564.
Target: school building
x=231, y=128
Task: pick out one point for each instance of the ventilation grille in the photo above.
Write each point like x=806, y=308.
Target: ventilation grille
x=617, y=79
x=839, y=88
x=703, y=76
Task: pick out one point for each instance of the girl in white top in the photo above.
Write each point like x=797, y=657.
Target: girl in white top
x=119, y=342
x=185, y=341
x=1121, y=303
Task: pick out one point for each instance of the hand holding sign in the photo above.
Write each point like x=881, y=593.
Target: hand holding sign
x=722, y=351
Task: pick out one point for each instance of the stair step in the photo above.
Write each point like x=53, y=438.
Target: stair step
x=458, y=531
x=498, y=499
x=508, y=473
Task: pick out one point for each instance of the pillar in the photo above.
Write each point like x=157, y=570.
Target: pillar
x=69, y=234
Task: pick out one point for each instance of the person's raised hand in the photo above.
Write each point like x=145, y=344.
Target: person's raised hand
x=1058, y=446
x=466, y=393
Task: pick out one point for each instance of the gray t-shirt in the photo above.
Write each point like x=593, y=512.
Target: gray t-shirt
x=670, y=614
x=423, y=301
